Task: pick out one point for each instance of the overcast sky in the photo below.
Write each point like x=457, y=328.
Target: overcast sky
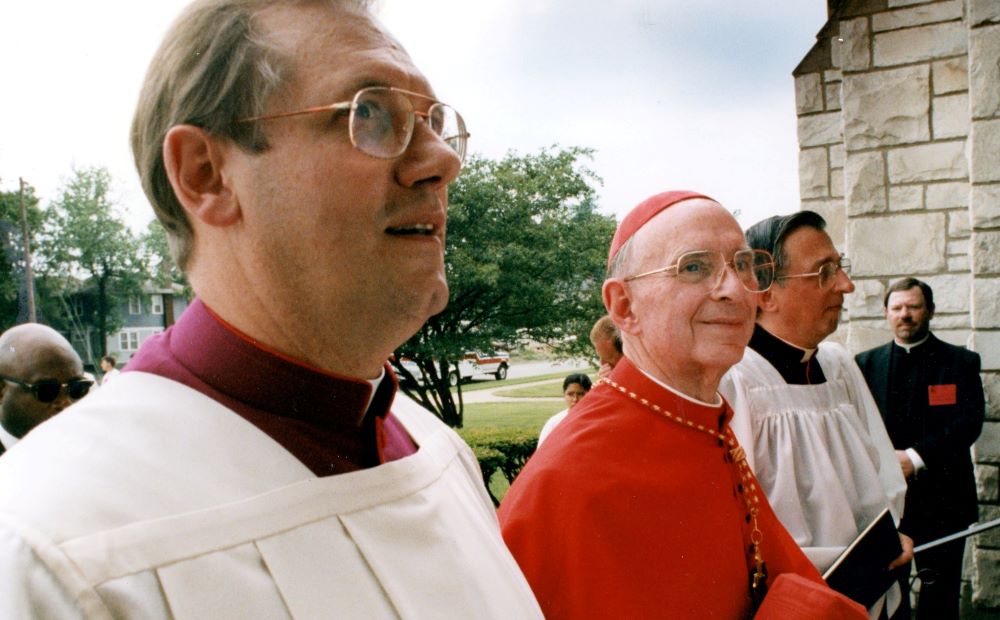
x=672, y=94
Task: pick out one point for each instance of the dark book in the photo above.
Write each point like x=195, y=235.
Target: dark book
x=862, y=570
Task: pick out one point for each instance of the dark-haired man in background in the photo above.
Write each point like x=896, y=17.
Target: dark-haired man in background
x=931, y=398
x=812, y=432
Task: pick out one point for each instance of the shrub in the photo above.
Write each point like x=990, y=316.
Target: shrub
x=503, y=450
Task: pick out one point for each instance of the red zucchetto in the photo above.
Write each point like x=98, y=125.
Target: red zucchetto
x=643, y=212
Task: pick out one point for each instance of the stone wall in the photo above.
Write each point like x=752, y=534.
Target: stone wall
x=898, y=108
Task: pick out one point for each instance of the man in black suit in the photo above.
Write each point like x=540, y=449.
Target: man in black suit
x=931, y=398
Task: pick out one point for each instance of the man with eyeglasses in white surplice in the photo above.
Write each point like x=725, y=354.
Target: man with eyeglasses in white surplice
x=255, y=460
x=811, y=429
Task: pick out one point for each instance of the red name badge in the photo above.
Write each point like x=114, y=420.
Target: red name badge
x=944, y=394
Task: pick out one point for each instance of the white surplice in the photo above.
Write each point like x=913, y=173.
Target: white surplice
x=150, y=500
x=821, y=452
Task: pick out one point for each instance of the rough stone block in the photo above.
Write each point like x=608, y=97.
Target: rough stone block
x=951, y=294
x=950, y=76
x=984, y=70
x=921, y=43
x=892, y=4
x=991, y=538
x=928, y=162
x=917, y=16
x=958, y=224
x=950, y=117
x=884, y=108
x=953, y=323
x=987, y=479
x=866, y=300
x=985, y=252
x=855, y=49
x=958, y=247
x=866, y=334
x=837, y=183
x=808, y=93
x=820, y=129
x=987, y=447
x=983, y=12
x=986, y=206
x=958, y=263
x=898, y=244
x=832, y=75
x=987, y=345
x=985, y=309
x=835, y=214
x=958, y=337
x=832, y=96
x=947, y=195
x=986, y=578
x=906, y=197
x=864, y=183
x=985, y=139
x=837, y=152
x=814, y=173
x=991, y=386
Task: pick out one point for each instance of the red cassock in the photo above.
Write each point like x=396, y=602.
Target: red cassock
x=624, y=513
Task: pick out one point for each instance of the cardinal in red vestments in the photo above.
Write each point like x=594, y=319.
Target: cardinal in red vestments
x=641, y=503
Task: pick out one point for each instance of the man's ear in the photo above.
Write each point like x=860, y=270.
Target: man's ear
x=766, y=301
x=618, y=302
x=194, y=161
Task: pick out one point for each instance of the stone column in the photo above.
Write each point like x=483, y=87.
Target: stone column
x=906, y=168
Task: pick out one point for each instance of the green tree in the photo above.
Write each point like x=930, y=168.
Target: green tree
x=525, y=258
x=12, y=265
x=156, y=254
x=86, y=239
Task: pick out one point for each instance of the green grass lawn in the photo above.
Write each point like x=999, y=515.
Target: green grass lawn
x=527, y=416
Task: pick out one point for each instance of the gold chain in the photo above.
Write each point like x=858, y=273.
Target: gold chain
x=748, y=483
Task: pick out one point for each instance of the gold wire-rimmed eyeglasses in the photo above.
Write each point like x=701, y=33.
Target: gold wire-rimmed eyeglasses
x=382, y=118
x=753, y=268
x=827, y=273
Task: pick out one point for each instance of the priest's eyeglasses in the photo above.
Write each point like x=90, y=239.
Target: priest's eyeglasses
x=47, y=390
x=827, y=274
x=753, y=268
x=381, y=121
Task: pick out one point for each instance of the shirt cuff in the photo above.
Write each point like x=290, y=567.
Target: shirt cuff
x=918, y=463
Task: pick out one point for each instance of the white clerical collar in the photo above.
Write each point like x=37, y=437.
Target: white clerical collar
x=6, y=438
x=807, y=354
x=718, y=397
x=374, y=383
x=907, y=346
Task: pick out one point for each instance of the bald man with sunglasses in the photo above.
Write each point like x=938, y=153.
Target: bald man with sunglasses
x=40, y=375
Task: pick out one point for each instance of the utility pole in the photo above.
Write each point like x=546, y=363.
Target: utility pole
x=28, y=272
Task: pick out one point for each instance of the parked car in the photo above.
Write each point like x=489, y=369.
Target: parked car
x=473, y=365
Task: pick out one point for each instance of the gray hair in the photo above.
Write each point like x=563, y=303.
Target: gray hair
x=214, y=66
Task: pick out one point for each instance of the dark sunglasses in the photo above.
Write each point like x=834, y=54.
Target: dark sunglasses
x=47, y=390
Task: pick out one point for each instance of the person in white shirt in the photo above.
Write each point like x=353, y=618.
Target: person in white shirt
x=109, y=368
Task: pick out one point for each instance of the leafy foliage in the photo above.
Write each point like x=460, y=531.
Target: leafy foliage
x=500, y=450
x=85, y=237
x=525, y=258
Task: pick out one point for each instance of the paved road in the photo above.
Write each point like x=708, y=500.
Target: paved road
x=519, y=370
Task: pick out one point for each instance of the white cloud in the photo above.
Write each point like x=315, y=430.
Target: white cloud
x=671, y=93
